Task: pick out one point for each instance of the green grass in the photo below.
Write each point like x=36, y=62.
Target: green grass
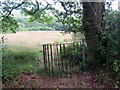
x=55, y=73
x=18, y=60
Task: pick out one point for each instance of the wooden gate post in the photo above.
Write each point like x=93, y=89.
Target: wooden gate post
x=83, y=56
x=44, y=55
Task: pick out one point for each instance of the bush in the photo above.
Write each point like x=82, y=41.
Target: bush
x=117, y=69
x=73, y=53
x=111, y=38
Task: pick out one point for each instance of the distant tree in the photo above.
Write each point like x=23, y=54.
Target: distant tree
x=36, y=10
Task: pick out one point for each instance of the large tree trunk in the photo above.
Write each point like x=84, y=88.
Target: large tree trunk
x=118, y=36
x=92, y=23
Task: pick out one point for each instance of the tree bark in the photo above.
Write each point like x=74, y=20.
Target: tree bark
x=119, y=32
x=92, y=25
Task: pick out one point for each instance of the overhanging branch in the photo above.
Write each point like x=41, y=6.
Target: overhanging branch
x=15, y=8
x=31, y=13
x=37, y=9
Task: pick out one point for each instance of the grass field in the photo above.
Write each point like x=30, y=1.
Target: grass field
x=35, y=38
x=22, y=51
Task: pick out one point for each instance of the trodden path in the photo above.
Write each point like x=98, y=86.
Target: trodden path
x=84, y=80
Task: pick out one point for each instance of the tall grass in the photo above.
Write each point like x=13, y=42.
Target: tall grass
x=17, y=60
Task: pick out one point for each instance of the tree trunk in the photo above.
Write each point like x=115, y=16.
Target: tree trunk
x=92, y=25
x=118, y=38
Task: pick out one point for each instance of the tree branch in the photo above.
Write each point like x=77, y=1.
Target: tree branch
x=116, y=56
x=37, y=9
x=15, y=8
x=66, y=11
x=64, y=6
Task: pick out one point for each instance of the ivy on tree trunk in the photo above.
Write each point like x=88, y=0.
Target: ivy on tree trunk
x=92, y=25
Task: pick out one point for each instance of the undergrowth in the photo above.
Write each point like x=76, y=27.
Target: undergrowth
x=56, y=72
x=17, y=60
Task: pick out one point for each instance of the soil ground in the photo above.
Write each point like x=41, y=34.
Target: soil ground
x=83, y=80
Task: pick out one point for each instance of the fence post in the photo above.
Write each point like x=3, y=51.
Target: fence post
x=48, y=58
x=83, y=56
x=51, y=51
x=44, y=55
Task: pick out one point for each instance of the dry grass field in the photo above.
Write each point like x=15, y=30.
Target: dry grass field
x=35, y=38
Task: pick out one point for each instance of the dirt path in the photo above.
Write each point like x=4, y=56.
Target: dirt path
x=84, y=80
